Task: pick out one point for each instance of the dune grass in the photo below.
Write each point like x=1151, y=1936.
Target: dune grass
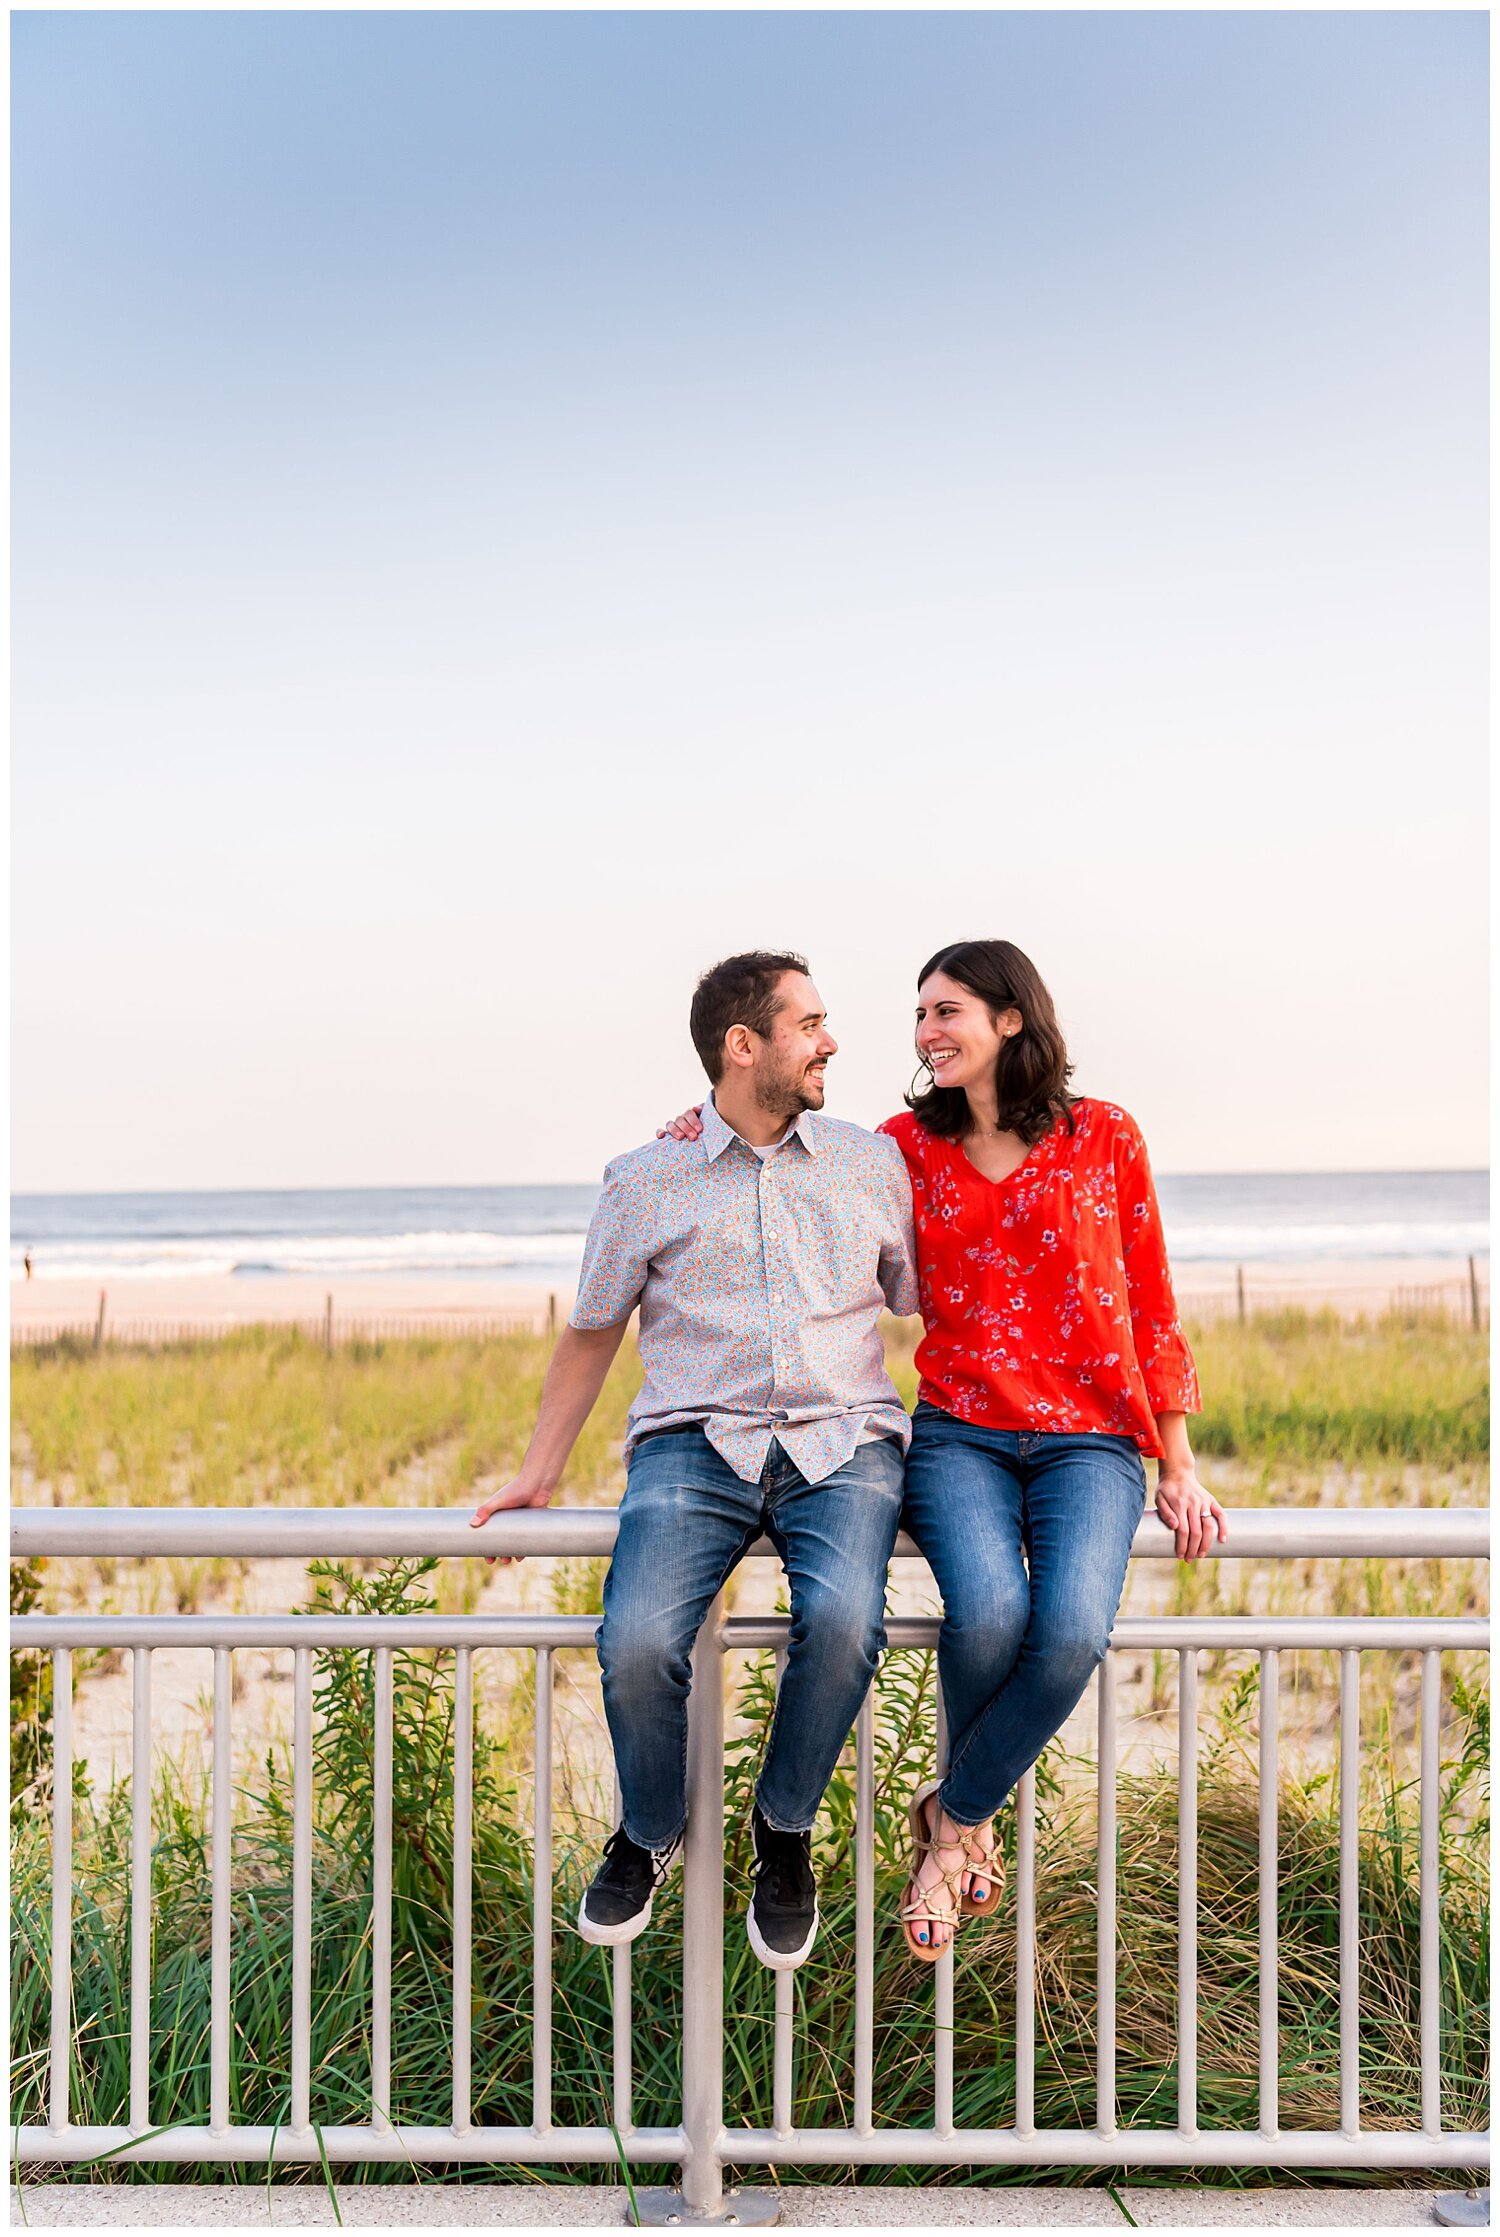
x=502, y=2008
x=1305, y=1388
x=264, y=1415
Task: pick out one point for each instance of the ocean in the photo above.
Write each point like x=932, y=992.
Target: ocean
x=536, y=1234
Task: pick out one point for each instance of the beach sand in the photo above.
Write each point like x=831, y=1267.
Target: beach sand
x=1353, y=1285
x=222, y=1301
x=229, y=1301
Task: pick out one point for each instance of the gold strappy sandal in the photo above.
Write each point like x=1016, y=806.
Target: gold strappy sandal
x=918, y=1904
x=987, y=1864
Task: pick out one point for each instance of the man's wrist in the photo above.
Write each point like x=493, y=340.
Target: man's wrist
x=539, y=1483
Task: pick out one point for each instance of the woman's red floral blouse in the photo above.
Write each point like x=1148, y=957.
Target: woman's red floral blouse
x=1046, y=1297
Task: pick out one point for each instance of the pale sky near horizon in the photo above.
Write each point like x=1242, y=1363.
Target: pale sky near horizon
x=509, y=508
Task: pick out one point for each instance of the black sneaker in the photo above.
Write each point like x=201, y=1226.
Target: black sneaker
x=782, y=1921
x=617, y=1902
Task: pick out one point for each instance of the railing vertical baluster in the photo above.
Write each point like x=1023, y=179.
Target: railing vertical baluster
x=703, y=1927
x=223, y=1805
x=784, y=2021
x=782, y=2055
x=864, y=1917
x=1432, y=2111
x=1105, y=1994
x=1270, y=2039
x=140, y=1888
x=623, y=2093
x=301, y=2119
x=1026, y=1954
x=1349, y=1891
x=1187, y=1891
x=62, y=1887
x=463, y=1886
x=942, y=1987
x=541, y=1870
x=380, y=1894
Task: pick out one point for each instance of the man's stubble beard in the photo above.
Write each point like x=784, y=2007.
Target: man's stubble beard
x=784, y=1097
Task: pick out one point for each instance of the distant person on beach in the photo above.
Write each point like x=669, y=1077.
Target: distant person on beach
x=26, y=1262
x=761, y=1254
x=1052, y=1359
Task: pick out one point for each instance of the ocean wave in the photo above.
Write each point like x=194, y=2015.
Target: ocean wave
x=432, y=1252
x=478, y=1251
x=1241, y=1240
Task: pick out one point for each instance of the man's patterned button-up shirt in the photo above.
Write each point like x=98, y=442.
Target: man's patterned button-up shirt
x=760, y=1283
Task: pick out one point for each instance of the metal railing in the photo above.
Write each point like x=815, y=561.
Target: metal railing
x=701, y=2143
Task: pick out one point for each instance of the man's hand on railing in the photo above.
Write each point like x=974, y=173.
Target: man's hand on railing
x=574, y=1379
x=517, y=1493
x=1191, y=1513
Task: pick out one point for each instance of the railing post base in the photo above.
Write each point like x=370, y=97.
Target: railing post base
x=1463, y=2209
x=746, y=2209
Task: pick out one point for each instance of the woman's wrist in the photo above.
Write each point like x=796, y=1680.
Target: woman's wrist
x=1177, y=1452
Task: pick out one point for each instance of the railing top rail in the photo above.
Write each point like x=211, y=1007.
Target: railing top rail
x=364, y=1533
x=539, y=1629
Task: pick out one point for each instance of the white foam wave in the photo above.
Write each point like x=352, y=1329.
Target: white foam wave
x=432, y=1252
x=1187, y=1240
x=480, y=1251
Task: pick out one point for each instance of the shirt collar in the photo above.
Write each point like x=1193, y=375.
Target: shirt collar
x=718, y=1133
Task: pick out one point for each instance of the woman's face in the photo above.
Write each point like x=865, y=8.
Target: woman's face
x=959, y=1036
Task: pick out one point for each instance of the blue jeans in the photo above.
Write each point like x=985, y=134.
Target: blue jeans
x=685, y=1520
x=1019, y=1640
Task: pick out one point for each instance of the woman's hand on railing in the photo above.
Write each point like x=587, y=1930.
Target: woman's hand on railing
x=1192, y=1514
x=686, y=1128
x=518, y=1493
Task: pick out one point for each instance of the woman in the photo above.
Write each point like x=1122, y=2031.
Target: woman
x=1052, y=1360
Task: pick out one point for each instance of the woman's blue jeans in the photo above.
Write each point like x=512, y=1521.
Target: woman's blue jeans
x=685, y=1521
x=1020, y=1638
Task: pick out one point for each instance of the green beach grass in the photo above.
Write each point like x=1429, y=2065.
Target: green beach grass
x=264, y=1414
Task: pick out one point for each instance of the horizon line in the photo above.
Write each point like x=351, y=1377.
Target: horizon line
x=407, y=1188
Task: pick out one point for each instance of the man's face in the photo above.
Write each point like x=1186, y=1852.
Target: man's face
x=789, y=1065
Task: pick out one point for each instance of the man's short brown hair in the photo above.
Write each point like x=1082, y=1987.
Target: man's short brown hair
x=742, y=990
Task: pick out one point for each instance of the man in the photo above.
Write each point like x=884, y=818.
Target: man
x=760, y=1257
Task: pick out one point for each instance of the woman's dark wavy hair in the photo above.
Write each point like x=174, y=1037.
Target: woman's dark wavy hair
x=1032, y=1070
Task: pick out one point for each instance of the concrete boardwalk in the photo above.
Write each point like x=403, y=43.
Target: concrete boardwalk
x=556, y=2206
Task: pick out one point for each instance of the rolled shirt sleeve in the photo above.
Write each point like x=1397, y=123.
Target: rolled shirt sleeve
x=898, y=1250
x=1166, y=1363
x=616, y=1253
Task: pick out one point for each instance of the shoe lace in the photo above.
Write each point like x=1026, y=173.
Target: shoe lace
x=618, y=1852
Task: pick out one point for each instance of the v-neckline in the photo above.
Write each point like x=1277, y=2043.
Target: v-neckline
x=1015, y=1171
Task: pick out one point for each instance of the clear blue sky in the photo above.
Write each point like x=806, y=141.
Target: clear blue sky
x=511, y=507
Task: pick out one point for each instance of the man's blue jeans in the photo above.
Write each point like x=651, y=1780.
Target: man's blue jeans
x=685, y=1521
x=1020, y=1639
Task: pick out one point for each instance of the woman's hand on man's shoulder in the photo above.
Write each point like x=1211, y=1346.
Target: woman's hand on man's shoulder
x=686, y=1127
